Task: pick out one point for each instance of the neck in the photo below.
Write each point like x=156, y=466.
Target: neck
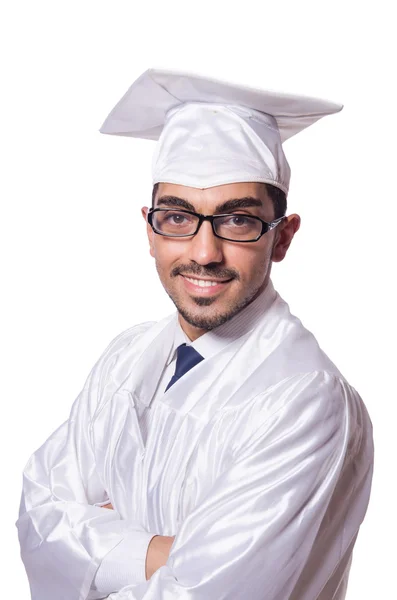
x=192, y=332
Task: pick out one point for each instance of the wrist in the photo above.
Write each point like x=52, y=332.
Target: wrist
x=157, y=554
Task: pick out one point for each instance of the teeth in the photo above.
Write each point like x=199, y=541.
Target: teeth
x=202, y=283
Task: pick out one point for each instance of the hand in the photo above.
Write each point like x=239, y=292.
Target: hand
x=158, y=550
x=158, y=553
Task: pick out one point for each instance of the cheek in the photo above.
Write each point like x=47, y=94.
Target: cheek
x=250, y=262
x=166, y=252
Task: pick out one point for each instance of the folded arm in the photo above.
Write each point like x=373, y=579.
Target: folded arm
x=251, y=534
x=71, y=547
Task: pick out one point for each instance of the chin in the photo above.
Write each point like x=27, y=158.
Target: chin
x=204, y=322
x=207, y=317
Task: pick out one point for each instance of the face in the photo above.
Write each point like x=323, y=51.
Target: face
x=238, y=271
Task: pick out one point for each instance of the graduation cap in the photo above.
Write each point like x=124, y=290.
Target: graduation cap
x=210, y=132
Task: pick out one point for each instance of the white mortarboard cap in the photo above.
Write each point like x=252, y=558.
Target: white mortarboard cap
x=212, y=132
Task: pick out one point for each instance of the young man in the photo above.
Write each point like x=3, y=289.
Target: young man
x=235, y=457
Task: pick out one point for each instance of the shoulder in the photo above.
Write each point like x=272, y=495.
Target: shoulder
x=295, y=349
x=310, y=401
x=117, y=351
x=317, y=388
x=124, y=340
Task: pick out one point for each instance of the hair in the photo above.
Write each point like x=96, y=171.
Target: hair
x=279, y=199
x=277, y=196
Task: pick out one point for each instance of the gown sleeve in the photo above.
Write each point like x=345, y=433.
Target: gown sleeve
x=251, y=532
x=64, y=536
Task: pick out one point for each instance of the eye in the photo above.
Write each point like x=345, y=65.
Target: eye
x=177, y=219
x=239, y=220
x=174, y=222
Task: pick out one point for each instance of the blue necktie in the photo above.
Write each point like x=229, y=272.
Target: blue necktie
x=187, y=358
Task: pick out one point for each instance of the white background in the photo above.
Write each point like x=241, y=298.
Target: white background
x=75, y=264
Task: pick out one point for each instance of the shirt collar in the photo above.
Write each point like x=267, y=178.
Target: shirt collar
x=180, y=337
x=244, y=321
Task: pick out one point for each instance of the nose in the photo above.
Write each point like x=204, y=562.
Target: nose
x=205, y=247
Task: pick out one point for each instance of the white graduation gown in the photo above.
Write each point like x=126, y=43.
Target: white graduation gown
x=259, y=460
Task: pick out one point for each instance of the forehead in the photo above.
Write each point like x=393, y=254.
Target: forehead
x=211, y=197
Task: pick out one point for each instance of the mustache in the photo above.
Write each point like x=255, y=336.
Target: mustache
x=216, y=272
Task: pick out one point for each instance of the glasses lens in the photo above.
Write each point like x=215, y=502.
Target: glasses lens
x=241, y=228
x=174, y=222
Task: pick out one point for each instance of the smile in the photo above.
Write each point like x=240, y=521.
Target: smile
x=204, y=285
x=203, y=282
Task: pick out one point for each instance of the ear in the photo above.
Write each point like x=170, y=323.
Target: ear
x=284, y=235
x=149, y=230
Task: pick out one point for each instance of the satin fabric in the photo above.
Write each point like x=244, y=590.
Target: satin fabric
x=259, y=460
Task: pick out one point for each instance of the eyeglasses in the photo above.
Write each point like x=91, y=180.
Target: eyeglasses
x=231, y=227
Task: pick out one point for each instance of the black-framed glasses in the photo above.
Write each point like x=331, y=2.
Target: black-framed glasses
x=237, y=227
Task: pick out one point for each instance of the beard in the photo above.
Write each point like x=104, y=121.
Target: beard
x=207, y=322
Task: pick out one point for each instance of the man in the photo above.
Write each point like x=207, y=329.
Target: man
x=235, y=459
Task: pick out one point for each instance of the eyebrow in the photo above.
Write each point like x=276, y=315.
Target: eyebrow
x=229, y=205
